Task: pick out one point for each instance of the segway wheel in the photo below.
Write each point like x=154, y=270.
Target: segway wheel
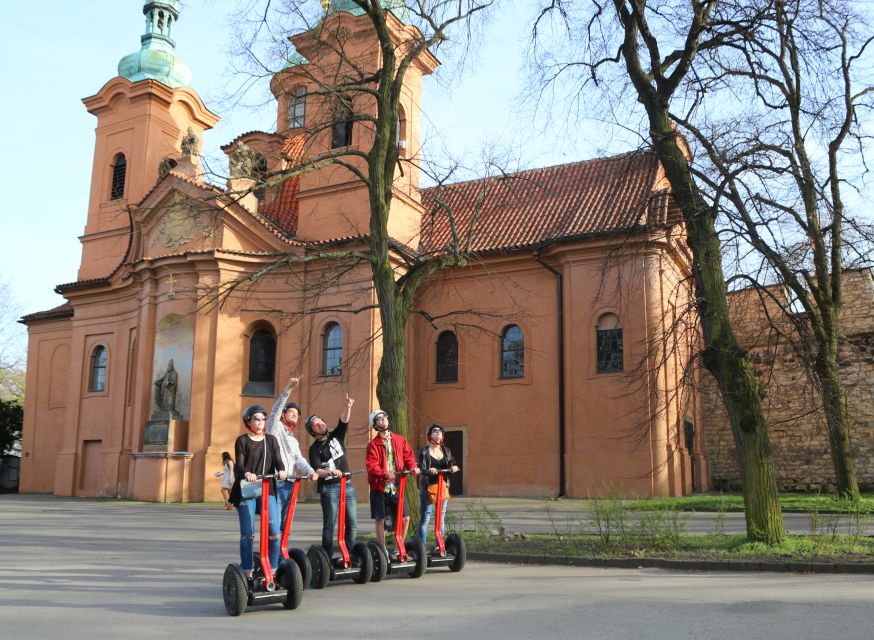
x=416, y=550
x=289, y=578
x=321, y=565
x=234, y=590
x=361, y=558
x=379, y=561
x=303, y=564
x=455, y=547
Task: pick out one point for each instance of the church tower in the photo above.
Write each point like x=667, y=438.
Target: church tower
x=320, y=107
x=142, y=115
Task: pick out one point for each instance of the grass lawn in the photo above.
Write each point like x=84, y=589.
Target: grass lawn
x=734, y=502
x=683, y=546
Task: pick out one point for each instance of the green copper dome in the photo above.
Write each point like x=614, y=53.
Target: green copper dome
x=156, y=59
x=398, y=7
x=294, y=60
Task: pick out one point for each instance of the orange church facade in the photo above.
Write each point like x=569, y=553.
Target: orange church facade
x=551, y=358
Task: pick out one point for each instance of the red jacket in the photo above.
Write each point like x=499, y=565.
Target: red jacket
x=377, y=463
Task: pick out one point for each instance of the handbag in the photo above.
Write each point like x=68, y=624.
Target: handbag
x=249, y=490
x=432, y=492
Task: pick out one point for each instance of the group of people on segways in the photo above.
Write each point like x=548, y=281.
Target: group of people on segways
x=268, y=456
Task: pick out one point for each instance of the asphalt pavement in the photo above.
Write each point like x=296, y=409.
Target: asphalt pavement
x=83, y=569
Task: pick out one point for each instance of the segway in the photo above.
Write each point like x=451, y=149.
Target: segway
x=449, y=553
x=356, y=566
x=298, y=555
x=285, y=586
x=409, y=556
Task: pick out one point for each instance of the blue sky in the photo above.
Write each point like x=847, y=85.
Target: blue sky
x=59, y=52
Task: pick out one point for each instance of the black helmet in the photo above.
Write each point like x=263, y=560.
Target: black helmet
x=435, y=427
x=251, y=410
x=309, y=424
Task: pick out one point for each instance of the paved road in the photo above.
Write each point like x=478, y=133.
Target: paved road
x=80, y=569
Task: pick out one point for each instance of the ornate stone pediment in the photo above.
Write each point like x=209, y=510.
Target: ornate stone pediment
x=179, y=224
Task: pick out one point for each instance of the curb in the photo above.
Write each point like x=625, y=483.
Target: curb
x=678, y=564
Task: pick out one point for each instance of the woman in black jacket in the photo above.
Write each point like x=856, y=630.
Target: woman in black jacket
x=257, y=454
x=433, y=457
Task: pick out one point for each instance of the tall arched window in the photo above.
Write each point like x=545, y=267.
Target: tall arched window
x=296, y=110
x=119, y=172
x=332, y=350
x=512, y=352
x=260, y=175
x=262, y=359
x=447, y=357
x=609, y=340
x=97, y=370
x=341, y=131
x=401, y=132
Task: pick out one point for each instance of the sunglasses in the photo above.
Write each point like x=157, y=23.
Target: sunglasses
x=258, y=418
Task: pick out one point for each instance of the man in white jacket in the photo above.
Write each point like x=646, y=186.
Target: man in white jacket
x=284, y=417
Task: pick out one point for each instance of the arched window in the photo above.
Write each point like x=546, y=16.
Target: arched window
x=341, y=131
x=332, y=350
x=119, y=171
x=262, y=359
x=260, y=175
x=609, y=340
x=447, y=357
x=97, y=376
x=401, y=131
x=296, y=110
x=512, y=352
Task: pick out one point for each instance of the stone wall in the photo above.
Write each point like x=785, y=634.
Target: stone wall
x=797, y=425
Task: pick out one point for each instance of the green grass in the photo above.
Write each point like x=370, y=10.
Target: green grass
x=734, y=502
x=687, y=546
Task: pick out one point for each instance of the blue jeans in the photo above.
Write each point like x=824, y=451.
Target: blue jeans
x=425, y=516
x=246, y=513
x=283, y=495
x=330, y=498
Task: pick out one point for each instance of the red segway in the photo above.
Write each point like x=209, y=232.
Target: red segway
x=356, y=565
x=449, y=553
x=409, y=555
x=298, y=555
x=285, y=586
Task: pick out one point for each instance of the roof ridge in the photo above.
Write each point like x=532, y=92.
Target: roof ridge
x=618, y=156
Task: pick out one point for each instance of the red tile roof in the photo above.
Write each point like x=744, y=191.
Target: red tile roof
x=595, y=197
x=282, y=209
x=62, y=311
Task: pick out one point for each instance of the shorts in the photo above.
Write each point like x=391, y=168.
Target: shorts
x=380, y=501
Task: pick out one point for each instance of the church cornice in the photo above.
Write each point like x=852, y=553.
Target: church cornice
x=101, y=101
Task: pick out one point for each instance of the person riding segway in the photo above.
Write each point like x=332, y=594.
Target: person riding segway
x=436, y=461
x=389, y=460
x=257, y=464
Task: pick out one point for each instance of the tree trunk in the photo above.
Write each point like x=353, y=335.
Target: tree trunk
x=834, y=404
x=722, y=355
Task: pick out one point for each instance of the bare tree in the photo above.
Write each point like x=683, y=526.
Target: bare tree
x=774, y=163
x=13, y=343
x=369, y=96
x=657, y=44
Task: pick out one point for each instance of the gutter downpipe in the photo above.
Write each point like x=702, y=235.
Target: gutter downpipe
x=559, y=296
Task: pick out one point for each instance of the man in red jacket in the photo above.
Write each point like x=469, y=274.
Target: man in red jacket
x=386, y=454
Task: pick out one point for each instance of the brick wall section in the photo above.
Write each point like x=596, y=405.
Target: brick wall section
x=798, y=434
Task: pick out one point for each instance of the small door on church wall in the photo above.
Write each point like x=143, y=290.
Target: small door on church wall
x=89, y=471
x=455, y=441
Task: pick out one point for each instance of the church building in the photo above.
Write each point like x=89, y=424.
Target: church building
x=553, y=357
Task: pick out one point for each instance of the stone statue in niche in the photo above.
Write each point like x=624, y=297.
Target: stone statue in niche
x=165, y=390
